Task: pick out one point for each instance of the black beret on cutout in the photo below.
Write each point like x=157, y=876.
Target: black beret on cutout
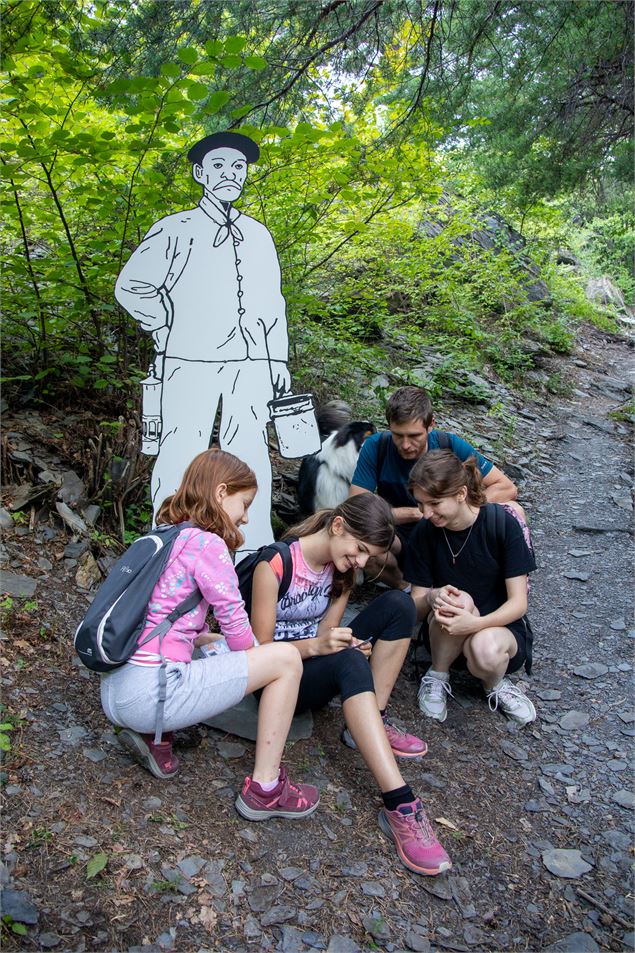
x=224, y=140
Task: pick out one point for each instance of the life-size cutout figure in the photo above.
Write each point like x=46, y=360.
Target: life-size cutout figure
x=206, y=283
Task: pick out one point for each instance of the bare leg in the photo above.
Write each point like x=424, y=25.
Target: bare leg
x=386, y=662
x=444, y=648
x=488, y=653
x=364, y=723
x=278, y=669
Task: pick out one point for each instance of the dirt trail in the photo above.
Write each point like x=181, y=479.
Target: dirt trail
x=183, y=871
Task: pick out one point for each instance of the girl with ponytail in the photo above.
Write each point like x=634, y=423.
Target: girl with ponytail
x=360, y=661
x=468, y=562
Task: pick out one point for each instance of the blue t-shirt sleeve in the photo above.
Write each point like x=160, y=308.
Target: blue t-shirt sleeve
x=463, y=450
x=365, y=474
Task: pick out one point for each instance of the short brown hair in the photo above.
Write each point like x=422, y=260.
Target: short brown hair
x=409, y=403
x=195, y=498
x=441, y=473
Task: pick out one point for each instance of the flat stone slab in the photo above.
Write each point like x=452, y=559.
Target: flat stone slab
x=590, y=670
x=242, y=721
x=574, y=719
x=574, y=943
x=18, y=905
x=565, y=863
x=15, y=585
x=624, y=798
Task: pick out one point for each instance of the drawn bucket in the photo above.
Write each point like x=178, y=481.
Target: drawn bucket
x=296, y=428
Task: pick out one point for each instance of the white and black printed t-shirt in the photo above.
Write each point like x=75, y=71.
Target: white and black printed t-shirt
x=300, y=610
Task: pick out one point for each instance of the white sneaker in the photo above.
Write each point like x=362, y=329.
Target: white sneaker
x=433, y=695
x=512, y=701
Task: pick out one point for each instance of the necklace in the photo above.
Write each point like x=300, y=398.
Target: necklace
x=447, y=541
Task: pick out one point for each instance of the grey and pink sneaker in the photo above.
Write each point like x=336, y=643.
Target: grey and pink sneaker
x=418, y=848
x=403, y=744
x=286, y=800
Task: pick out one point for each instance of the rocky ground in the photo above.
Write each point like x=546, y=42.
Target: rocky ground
x=98, y=855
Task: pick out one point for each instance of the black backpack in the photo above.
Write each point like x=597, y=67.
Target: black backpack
x=245, y=569
x=109, y=633
x=107, y=636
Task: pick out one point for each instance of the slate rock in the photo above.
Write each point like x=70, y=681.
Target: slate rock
x=462, y=896
x=230, y=749
x=18, y=905
x=579, y=553
x=278, y=914
x=591, y=670
x=375, y=924
x=618, y=625
x=624, y=798
x=473, y=936
x=576, y=574
x=48, y=941
x=342, y=944
x=14, y=585
x=438, y=886
x=573, y=720
x=574, y=943
x=263, y=897
x=94, y=754
x=73, y=735
x=242, y=721
x=565, y=863
x=419, y=944
x=88, y=573
x=191, y=866
x=548, y=694
x=514, y=751
x=6, y=520
x=372, y=889
x=628, y=717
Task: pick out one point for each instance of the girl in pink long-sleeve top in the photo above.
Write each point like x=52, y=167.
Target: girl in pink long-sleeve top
x=214, y=496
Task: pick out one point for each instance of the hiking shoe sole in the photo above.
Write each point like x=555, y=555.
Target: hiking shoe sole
x=426, y=871
x=136, y=746
x=255, y=814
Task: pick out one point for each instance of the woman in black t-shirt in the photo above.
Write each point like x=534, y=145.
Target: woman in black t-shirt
x=467, y=562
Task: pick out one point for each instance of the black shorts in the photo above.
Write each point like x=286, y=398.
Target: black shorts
x=520, y=629
x=389, y=618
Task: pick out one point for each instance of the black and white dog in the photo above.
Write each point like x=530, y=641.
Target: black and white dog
x=325, y=477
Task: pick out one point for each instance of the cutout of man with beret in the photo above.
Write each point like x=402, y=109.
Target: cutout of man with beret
x=206, y=283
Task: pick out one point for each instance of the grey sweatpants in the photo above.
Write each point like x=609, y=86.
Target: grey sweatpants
x=196, y=690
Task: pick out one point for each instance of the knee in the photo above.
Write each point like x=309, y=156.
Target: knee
x=288, y=658
x=399, y=608
x=485, y=651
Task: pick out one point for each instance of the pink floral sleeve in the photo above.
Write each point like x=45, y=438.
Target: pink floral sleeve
x=216, y=578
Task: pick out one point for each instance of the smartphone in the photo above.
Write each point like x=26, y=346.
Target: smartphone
x=363, y=642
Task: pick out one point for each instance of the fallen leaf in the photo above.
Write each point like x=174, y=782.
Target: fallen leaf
x=446, y=823
x=208, y=918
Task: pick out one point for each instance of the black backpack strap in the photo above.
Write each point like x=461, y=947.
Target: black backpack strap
x=444, y=439
x=382, y=449
x=497, y=528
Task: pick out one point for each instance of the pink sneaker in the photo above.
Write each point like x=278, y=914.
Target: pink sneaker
x=403, y=745
x=414, y=839
x=159, y=759
x=286, y=800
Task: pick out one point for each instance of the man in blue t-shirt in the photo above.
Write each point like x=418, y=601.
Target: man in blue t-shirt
x=387, y=458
